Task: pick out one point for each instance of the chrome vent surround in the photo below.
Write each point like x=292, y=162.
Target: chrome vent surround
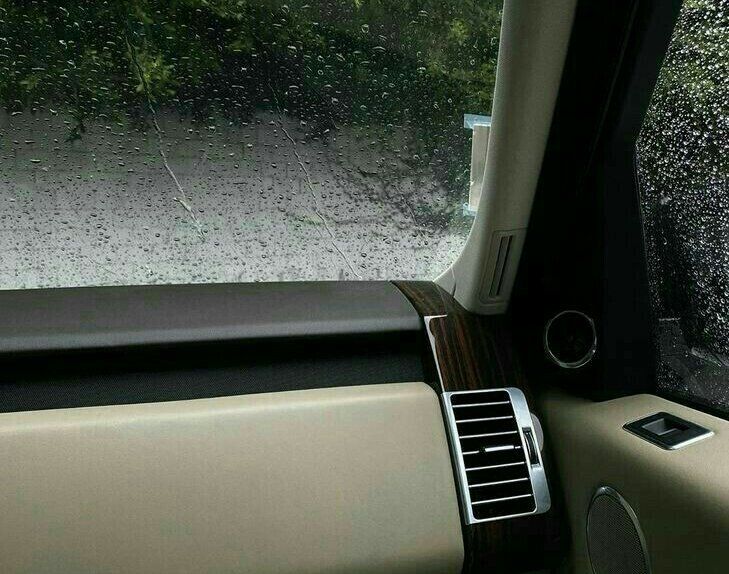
x=500, y=471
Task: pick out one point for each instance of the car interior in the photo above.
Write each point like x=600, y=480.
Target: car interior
x=504, y=415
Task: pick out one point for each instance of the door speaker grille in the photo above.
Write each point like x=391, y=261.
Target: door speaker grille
x=614, y=539
x=496, y=452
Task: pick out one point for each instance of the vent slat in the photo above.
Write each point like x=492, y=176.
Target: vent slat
x=500, y=490
x=488, y=434
x=496, y=510
x=495, y=466
x=485, y=419
x=482, y=405
x=493, y=449
x=495, y=474
x=502, y=499
x=494, y=483
x=486, y=426
x=484, y=444
x=478, y=397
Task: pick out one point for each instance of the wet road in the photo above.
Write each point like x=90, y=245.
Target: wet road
x=264, y=201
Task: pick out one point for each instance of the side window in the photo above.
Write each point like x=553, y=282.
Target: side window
x=683, y=168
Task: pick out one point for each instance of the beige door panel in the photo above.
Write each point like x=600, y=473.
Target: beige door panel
x=354, y=479
x=681, y=497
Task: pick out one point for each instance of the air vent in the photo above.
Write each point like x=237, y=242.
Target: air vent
x=499, y=464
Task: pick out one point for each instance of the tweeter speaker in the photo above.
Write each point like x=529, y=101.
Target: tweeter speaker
x=570, y=339
x=615, y=542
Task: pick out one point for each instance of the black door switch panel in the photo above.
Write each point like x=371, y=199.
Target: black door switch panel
x=667, y=431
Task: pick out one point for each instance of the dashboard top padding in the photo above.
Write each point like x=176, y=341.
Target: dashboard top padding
x=35, y=320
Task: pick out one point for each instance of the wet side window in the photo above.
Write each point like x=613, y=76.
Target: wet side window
x=683, y=162
x=147, y=141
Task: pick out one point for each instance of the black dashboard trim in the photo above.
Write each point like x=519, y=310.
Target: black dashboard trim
x=50, y=320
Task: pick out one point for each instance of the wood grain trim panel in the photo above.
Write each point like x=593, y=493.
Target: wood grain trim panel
x=474, y=351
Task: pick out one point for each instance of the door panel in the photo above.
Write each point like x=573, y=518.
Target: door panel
x=680, y=497
x=354, y=479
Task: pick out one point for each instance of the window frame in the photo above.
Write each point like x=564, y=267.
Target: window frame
x=586, y=248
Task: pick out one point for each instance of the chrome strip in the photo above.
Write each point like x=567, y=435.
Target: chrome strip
x=481, y=404
x=495, y=466
x=431, y=339
x=502, y=499
x=495, y=482
x=485, y=419
x=493, y=449
x=502, y=433
x=501, y=418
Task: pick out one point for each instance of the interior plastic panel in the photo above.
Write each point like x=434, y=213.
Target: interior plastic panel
x=354, y=479
x=680, y=496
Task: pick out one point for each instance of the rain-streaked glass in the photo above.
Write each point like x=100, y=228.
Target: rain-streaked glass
x=183, y=141
x=683, y=160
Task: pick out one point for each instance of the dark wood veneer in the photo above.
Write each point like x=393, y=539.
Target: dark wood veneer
x=476, y=352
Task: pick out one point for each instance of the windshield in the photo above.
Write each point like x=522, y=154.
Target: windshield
x=222, y=140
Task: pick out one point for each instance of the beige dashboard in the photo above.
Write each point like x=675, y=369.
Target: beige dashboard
x=354, y=479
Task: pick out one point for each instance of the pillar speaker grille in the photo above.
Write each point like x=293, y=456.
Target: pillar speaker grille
x=614, y=539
